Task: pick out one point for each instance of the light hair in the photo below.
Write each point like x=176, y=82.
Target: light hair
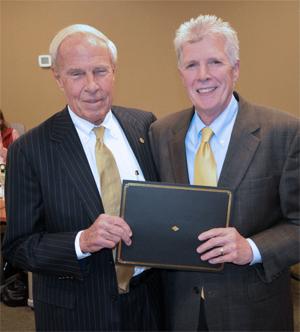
x=197, y=28
x=84, y=29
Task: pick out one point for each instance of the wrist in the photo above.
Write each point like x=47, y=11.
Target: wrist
x=83, y=243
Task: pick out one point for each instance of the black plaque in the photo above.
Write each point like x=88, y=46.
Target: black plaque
x=166, y=220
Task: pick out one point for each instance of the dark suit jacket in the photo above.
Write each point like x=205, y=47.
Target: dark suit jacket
x=262, y=169
x=51, y=195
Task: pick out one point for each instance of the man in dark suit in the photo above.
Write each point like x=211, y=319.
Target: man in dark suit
x=57, y=226
x=254, y=151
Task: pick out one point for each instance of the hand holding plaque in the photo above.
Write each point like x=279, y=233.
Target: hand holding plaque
x=166, y=220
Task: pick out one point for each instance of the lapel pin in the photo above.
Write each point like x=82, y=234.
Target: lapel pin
x=142, y=140
x=175, y=228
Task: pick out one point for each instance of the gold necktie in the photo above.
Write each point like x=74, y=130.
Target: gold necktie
x=205, y=168
x=110, y=184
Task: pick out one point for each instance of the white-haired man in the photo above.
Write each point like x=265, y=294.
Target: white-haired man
x=252, y=150
x=60, y=195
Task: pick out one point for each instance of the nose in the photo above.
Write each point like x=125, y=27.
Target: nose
x=203, y=73
x=91, y=83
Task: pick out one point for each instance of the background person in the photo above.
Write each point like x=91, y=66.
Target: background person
x=13, y=281
x=56, y=223
x=254, y=151
x=8, y=135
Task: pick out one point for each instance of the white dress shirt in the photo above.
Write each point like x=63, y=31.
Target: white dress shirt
x=116, y=141
x=222, y=127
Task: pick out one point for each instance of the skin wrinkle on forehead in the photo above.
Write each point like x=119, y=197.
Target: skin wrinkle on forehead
x=214, y=35
x=91, y=39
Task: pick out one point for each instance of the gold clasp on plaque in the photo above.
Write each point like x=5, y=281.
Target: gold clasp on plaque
x=175, y=228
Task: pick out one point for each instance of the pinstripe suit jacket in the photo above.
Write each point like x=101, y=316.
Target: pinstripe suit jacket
x=51, y=195
x=262, y=169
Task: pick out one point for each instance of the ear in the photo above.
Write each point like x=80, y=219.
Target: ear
x=236, y=71
x=57, y=78
x=114, y=71
x=180, y=71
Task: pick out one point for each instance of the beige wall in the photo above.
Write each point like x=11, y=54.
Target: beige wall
x=143, y=31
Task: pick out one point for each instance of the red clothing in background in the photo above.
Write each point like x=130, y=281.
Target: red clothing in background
x=7, y=137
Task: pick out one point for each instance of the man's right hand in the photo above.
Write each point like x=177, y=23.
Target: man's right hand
x=105, y=232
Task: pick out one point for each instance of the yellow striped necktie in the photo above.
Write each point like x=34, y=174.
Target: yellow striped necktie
x=110, y=184
x=205, y=168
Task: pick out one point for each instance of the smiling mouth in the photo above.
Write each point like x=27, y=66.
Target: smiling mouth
x=206, y=90
x=93, y=101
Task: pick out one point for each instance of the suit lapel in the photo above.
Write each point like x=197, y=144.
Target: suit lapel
x=135, y=134
x=241, y=150
x=72, y=157
x=242, y=147
x=177, y=147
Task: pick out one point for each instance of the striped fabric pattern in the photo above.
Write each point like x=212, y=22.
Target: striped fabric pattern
x=51, y=195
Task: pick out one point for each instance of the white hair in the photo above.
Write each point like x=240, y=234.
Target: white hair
x=85, y=29
x=196, y=29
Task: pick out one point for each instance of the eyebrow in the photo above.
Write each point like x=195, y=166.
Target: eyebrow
x=73, y=70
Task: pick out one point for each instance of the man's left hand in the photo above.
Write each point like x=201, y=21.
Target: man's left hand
x=224, y=245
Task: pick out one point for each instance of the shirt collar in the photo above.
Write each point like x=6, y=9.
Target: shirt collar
x=85, y=127
x=110, y=124
x=218, y=125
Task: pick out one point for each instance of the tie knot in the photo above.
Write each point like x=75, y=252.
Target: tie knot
x=206, y=134
x=99, y=132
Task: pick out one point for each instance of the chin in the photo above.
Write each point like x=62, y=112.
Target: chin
x=206, y=108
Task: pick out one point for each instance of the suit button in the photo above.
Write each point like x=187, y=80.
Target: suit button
x=196, y=290
x=114, y=298
x=211, y=293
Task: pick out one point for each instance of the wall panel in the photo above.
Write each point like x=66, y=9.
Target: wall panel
x=143, y=31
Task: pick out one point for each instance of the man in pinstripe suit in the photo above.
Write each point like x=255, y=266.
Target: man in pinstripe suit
x=57, y=226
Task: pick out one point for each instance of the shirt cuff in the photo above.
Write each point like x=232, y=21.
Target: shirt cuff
x=256, y=254
x=79, y=253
